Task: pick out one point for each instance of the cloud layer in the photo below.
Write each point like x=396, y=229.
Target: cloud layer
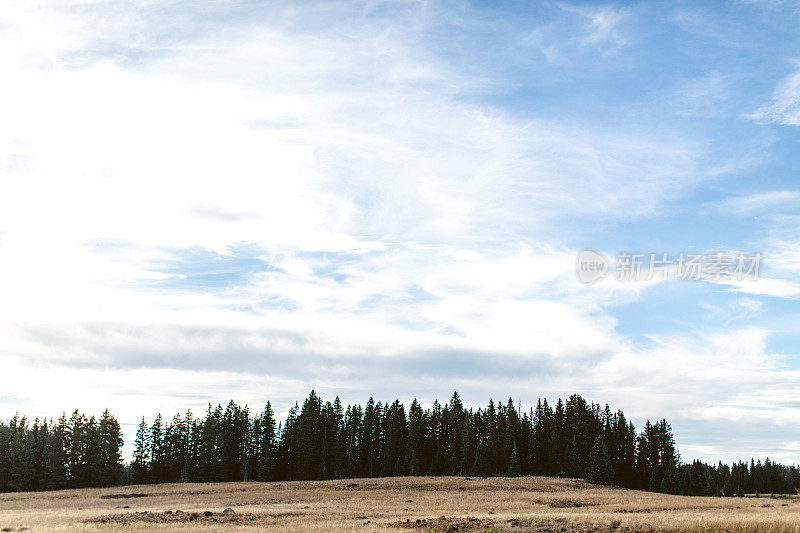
x=206, y=201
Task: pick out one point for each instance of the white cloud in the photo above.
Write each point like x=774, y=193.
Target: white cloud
x=764, y=203
x=766, y=287
x=397, y=219
x=604, y=24
x=785, y=105
x=579, y=32
x=703, y=96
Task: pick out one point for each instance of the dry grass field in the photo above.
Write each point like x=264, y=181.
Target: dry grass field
x=399, y=505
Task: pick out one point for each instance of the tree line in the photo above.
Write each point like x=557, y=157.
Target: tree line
x=72, y=452
x=327, y=440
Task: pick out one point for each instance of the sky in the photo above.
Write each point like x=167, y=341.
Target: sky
x=203, y=201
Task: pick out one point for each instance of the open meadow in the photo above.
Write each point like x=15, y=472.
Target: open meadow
x=391, y=504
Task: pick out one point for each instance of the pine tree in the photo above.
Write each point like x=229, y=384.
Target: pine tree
x=232, y=431
x=482, y=464
x=266, y=445
x=193, y=455
x=175, y=448
x=415, y=438
x=370, y=440
x=512, y=440
x=38, y=436
x=78, y=467
x=55, y=460
x=581, y=426
x=308, y=460
x=157, y=451
x=395, y=445
x=455, y=425
x=513, y=463
x=110, y=436
x=340, y=464
x=494, y=439
x=93, y=454
x=209, y=450
x=288, y=446
x=20, y=464
x=354, y=416
x=572, y=461
x=469, y=442
x=600, y=468
x=558, y=442
x=140, y=467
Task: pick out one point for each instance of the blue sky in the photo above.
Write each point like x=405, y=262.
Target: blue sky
x=205, y=201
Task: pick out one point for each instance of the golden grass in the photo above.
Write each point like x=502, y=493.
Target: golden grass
x=398, y=505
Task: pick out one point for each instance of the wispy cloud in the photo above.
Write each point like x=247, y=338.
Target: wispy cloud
x=764, y=203
x=582, y=31
x=785, y=105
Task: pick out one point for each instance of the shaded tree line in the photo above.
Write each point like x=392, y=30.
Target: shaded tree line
x=72, y=452
x=327, y=440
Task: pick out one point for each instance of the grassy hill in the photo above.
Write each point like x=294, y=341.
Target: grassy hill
x=391, y=504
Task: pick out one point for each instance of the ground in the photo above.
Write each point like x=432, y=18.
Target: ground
x=399, y=505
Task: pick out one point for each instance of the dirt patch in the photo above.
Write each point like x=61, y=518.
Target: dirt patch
x=206, y=517
x=516, y=525
x=445, y=524
x=566, y=504
x=663, y=509
x=123, y=495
